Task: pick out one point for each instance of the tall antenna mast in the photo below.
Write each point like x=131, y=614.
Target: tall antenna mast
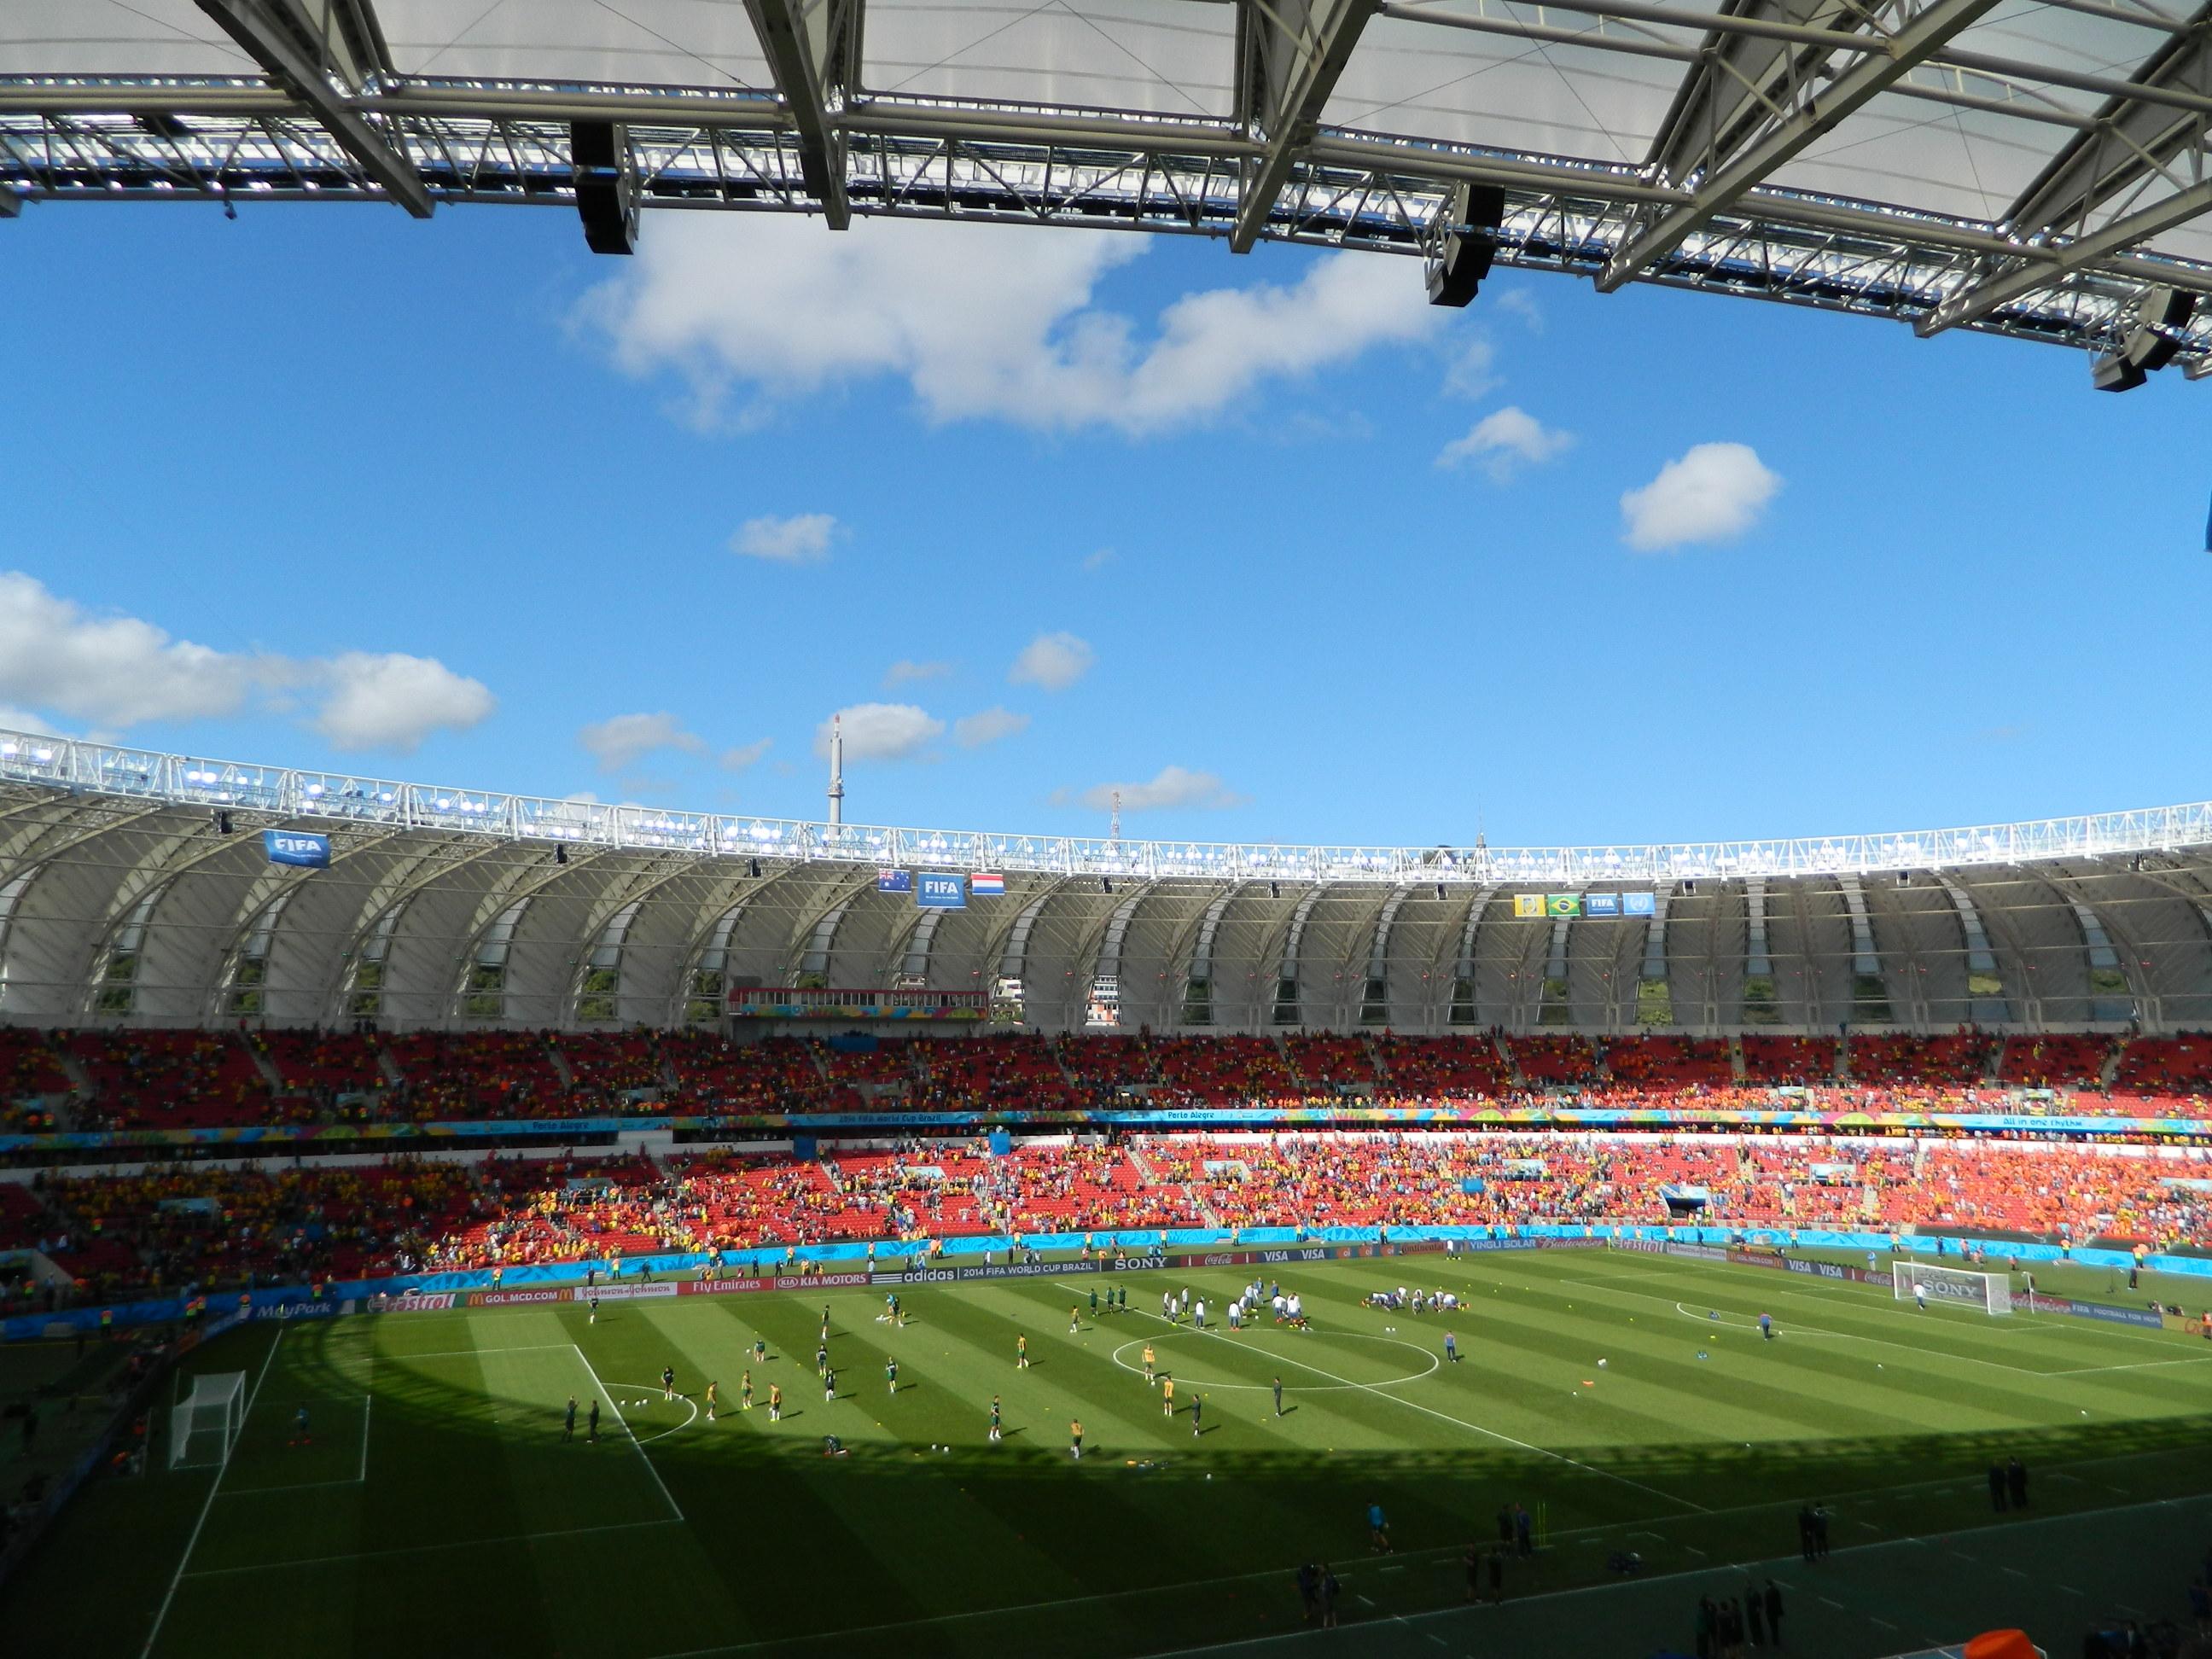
x=837, y=768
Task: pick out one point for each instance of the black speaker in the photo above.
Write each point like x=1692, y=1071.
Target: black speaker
x=2111, y=372
x=606, y=194
x=1471, y=213
x=2161, y=307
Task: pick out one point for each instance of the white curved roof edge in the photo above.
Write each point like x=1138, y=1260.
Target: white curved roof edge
x=319, y=799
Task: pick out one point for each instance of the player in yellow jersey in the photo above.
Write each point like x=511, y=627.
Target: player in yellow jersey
x=1167, y=1395
x=1148, y=1365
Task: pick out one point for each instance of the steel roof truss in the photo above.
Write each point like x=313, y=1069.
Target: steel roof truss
x=1728, y=170
x=283, y=36
x=1289, y=53
x=812, y=47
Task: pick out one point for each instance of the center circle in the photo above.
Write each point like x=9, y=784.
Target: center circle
x=1185, y=1379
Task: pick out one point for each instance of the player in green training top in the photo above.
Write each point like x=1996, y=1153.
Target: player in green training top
x=995, y=1418
x=890, y=1374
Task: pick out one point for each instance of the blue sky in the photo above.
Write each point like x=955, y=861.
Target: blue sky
x=459, y=503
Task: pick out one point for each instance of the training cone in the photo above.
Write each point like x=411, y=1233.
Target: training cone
x=2002, y=1644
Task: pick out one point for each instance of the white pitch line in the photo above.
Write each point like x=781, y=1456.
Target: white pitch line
x=1414, y=1405
x=162, y=1613
x=368, y=1404
x=2140, y=1365
x=1683, y=1308
x=423, y=1549
x=473, y=1353
x=652, y=1468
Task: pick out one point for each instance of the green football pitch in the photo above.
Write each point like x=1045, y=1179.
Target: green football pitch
x=435, y=1506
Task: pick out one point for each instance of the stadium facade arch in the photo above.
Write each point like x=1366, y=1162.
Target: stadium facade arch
x=143, y=889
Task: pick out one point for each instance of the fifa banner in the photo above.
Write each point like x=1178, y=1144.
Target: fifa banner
x=1566, y=906
x=941, y=892
x=291, y=847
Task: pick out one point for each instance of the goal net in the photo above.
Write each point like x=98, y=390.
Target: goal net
x=1991, y=1292
x=203, y=1425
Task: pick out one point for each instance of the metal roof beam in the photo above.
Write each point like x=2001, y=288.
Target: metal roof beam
x=1814, y=112
x=1289, y=53
x=1978, y=300
x=301, y=54
x=810, y=45
x=2131, y=139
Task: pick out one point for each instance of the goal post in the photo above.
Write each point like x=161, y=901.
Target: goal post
x=1957, y=1286
x=204, y=1422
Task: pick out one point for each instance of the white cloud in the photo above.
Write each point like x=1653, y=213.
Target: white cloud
x=388, y=700
x=1523, y=304
x=982, y=321
x=112, y=670
x=1098, y=560
x=1712, y=493
x=1504, y=440
x=22, y=719
x=620, y=742
x=1471, y=371
x=745, y=756
x=881, y=731
x=974, y=730
x=802, y=538
x=1173, y=787
x=1054, y=661
x=119, y=672
x=900, y=672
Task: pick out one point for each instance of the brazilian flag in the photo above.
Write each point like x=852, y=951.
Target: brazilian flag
x=1563, y=904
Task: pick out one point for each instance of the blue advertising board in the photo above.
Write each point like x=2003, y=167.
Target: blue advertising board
x=1601, y=905
x=940, y=892
x=295, y=846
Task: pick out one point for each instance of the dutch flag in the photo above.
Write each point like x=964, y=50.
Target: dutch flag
x=988, y=886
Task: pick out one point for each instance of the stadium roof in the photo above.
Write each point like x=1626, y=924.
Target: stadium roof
x=2033, y=169
x=261, y=796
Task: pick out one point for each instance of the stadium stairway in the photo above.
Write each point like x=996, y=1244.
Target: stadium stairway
x=263, y=1064
x=1735, y=1057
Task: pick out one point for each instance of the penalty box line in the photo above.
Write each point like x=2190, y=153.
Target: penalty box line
x=297, y=1562
x=1446, y=1417
x=651, y=1468
x=161, y=1613
x=367, y=1404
